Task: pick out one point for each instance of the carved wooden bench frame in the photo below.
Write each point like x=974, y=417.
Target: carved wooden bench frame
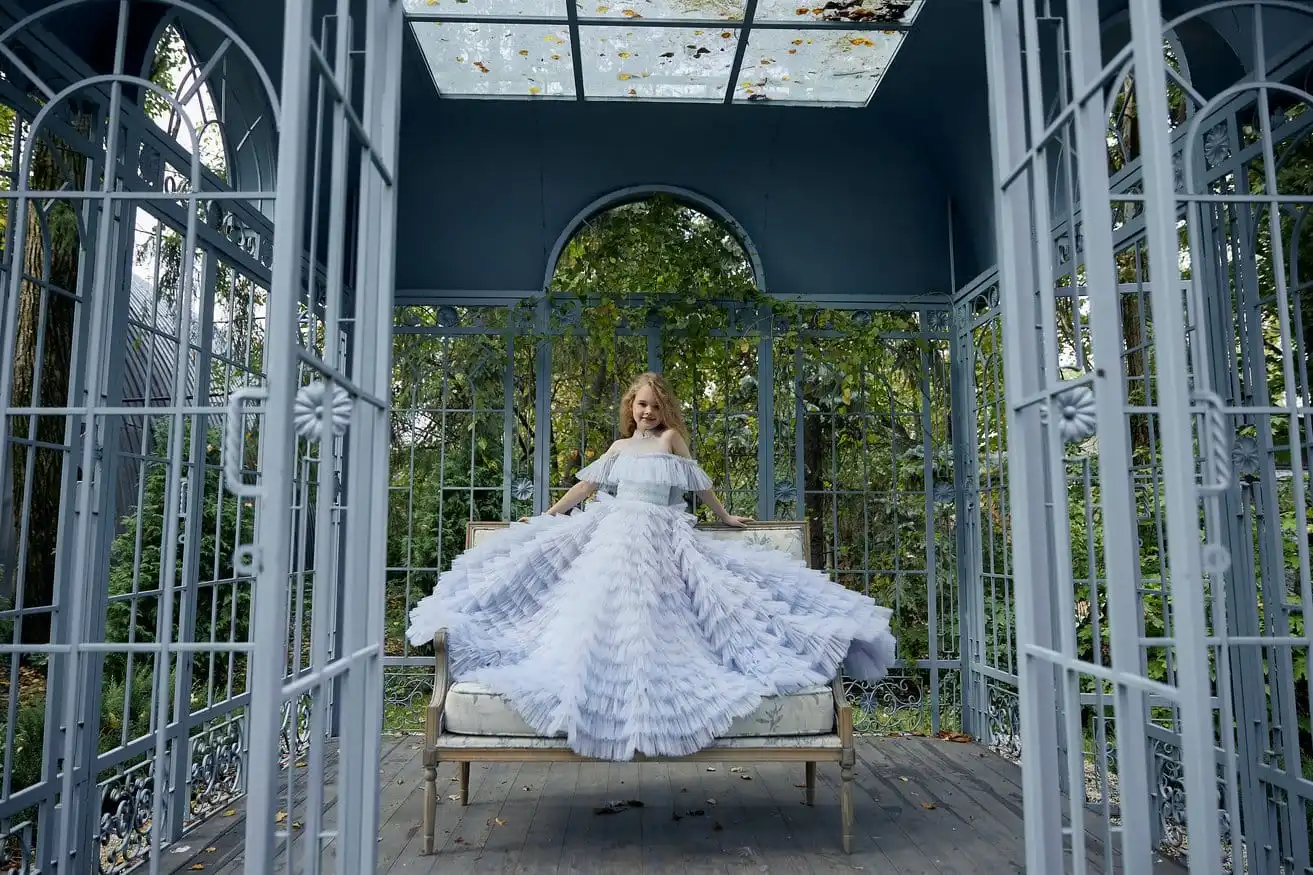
x=440, y=746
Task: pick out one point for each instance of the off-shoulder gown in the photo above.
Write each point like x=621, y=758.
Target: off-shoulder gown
x=629, y=631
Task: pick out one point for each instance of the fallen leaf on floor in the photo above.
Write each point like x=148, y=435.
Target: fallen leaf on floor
x=635, y=803
x=711, y=768
x=928, y=806
x=497, y=821
x=737, y=769
x=903, y=778
x=959, y=737
x=801, y=786
x=746, y=777
x=230, y=812
x=454, y=797
x=616, y=807
x=459, y=840
x=527, y=789
x=711, y=801
x=697, y=812
x=196, y=867
x=211, y=850
x=716, y=827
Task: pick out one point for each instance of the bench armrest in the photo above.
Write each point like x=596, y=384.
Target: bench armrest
x=441, y=683
x=843, y=717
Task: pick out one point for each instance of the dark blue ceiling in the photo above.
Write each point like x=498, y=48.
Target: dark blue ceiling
x=839, y=202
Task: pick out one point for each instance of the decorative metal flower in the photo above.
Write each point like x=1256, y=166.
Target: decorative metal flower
x=943, y=493
x=522, y=489
x=785, y=490
x=308, y=409
x=1244, y=455
x=1216, y=146
x=448, y=317
x=1077, y=419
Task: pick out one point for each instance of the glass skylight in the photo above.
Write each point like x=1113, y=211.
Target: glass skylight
x=841, y=12
x=815, y=66
x=657, y=62
x=487, y=8
x=490, y=59
x=667, y=10
x=834, y=53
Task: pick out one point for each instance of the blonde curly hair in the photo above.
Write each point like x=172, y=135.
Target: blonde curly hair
x=671, y=416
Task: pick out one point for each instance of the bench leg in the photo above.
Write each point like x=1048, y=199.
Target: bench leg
x=430, y=806
x=846, y=805
x=810, y=783
x=465, y=783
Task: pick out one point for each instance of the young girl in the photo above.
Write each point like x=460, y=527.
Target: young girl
x=625, y=628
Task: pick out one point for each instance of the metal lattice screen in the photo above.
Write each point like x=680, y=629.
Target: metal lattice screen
x=490, y=422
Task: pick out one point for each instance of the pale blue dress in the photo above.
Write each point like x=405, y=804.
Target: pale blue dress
x=629, y=631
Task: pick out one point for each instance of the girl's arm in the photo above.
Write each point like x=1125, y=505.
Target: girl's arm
x=575, y=494
x=680, y=448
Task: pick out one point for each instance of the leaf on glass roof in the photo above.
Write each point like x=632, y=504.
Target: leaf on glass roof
x=624, y=76
x=603, y=9
x=483, y=68
x=623, y=54
x=667, y=54
x=534, y=89
x=629, y=13
x=524, y=52
x=861, y=41
x=726, y=35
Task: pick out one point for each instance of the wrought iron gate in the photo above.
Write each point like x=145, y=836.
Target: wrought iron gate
x=319, y=598
x=1155, y=355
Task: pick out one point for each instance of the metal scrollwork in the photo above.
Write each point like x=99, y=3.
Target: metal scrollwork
x=215, y=776
x=404, y=695
x=126, y=803
x=1004, y=712
x=294, y=737
x=883, y=706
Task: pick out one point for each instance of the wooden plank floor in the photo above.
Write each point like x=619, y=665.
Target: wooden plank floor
x=924, y=807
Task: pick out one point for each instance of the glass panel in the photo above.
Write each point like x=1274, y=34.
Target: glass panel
x=822, y=66
x=727, y=10
x=517, y=60
x=658, y=62
x=866, y=11
x=489, y=8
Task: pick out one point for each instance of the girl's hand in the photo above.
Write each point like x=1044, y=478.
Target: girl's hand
x=737, y=522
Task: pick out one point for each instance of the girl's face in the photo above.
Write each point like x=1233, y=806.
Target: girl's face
x=646, y=410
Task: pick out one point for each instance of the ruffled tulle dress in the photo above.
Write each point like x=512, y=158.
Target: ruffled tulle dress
x=629, y=631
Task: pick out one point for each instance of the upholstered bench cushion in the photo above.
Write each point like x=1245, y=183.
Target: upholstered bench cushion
x=472, y=709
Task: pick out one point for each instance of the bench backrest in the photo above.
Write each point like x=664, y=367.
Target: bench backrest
x=789, y=536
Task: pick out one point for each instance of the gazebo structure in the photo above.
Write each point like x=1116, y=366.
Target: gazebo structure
x=282, y=312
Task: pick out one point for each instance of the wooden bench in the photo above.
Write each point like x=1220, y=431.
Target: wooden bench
x=466, y=723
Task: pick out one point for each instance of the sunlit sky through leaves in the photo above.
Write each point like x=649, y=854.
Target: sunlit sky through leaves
x=835, y=53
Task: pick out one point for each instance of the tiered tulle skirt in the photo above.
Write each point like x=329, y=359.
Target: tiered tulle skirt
x=629, y=631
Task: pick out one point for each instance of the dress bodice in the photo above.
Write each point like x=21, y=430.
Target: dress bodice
x=655, y=478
